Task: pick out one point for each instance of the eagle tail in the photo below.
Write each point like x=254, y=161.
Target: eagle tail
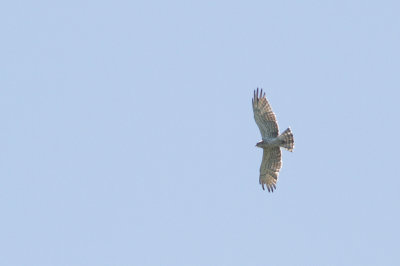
x=287, y=140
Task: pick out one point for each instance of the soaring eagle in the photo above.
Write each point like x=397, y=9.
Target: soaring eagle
x=271, y=142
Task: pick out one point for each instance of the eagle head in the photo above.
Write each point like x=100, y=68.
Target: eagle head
x=259, y=144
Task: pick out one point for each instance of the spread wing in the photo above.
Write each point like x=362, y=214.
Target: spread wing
x=264, y=116
x=270, y=166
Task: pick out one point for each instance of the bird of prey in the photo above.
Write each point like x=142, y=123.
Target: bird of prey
x=271, y=142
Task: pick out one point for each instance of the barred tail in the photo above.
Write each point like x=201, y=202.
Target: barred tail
x=287, y=139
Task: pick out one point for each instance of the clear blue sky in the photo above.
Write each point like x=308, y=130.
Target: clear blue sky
x=127, y=135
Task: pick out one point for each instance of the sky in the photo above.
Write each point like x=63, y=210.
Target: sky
x=128, y=138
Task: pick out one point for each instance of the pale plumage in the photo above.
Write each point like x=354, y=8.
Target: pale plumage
x=271, y=140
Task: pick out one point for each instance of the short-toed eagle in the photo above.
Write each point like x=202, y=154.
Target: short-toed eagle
x=271, y=141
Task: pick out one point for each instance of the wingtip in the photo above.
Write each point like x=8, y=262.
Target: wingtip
x=258, y=94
